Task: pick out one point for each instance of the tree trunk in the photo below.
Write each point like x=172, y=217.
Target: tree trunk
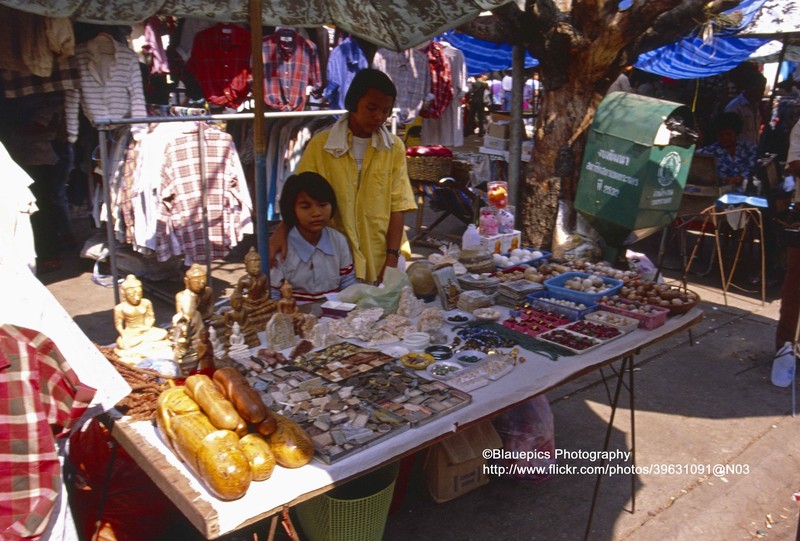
x=559, y=140
x=582, y=45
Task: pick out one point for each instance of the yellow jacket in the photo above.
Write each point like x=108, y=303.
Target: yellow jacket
x=363, y=204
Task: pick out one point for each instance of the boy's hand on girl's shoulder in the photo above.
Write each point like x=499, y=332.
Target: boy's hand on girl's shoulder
x=278, y=243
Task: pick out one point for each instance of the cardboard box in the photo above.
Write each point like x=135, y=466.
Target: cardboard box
x=455, y=466
x=501, y=129
x=502, y=243
x=495, y=143
x=500, y=116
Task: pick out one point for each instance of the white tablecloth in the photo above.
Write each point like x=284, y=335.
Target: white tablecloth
x=538, y=374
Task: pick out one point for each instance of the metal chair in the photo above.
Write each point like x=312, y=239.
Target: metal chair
x=450, y=198
x=740, y=219
x=703, y=188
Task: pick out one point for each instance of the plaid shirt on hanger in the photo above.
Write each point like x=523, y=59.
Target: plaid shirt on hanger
x=291, y=64
x=179, y=230
x=220, y=62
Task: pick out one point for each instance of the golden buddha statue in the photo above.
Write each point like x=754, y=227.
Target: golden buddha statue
x=187, y=322
x=196, y=280
x=134, y=320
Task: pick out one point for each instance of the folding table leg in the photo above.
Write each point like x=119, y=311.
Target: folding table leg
x=627, y=364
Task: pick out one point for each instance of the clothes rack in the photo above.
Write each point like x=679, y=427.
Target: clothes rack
x=103, y=125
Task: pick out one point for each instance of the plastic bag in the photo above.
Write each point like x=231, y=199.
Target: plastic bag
x=580, y=241
x=385, y=296
x=528, y=432
x=642, y=264
x=111, y=497
x=783, y=366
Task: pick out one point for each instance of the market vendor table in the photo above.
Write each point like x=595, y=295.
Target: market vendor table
x=537, y=375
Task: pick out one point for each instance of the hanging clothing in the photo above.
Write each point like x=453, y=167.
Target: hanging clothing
x=448, y=129
x=65, y=76
x=179, y=230
x=141, y=206
x=291, y=64
x=410, y=74
x=32, y=43
x=154, y=29
x=220, y=62
x=111, y=85
x=441, y=81
x=346, y=59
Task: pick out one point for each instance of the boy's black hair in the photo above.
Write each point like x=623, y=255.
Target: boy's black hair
x=311, y=183
x=363, y=81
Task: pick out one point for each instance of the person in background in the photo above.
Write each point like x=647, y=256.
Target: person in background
x=622, y=83
x=748, y=106
x=507, y=83
x=790, y=292
x=736, y=158
x=318, y=259
x=496, y=91
x=476, y=99
x=537, y=94
x=365, y=165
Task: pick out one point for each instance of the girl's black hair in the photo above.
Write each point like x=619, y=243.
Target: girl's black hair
x=363, y=81
x=311, y=183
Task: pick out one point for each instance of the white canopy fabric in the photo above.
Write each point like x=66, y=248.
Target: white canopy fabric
x=395, y=24
x=770, y=52
x=775, y=19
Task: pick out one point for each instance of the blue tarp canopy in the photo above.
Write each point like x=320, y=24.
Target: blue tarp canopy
x=483, y=56
x=692, y=57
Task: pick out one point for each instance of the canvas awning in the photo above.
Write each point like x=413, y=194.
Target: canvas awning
x=695, y=57
x=397, y=25
x=484, y=56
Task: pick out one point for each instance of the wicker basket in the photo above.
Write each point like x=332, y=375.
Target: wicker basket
x=350, y=512
x=461, y=171
x=430, y=168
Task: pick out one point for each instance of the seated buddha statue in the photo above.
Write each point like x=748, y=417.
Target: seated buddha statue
x=287, y=304
x=187, y=323
x=238, y=314
x=254, y=289
x=134, y=320
x=196, y=280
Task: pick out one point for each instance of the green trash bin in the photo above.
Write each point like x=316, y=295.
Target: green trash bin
x=356, y=511
x=634, y=168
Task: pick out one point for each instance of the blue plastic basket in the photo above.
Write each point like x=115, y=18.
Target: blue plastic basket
x=556, y=285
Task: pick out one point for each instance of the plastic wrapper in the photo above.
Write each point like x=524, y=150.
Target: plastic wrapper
x=130, y=508
x=387, y=296
x=527, y=428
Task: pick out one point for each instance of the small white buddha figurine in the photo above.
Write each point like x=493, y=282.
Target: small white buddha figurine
x=216, y=343
x=238, y=348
